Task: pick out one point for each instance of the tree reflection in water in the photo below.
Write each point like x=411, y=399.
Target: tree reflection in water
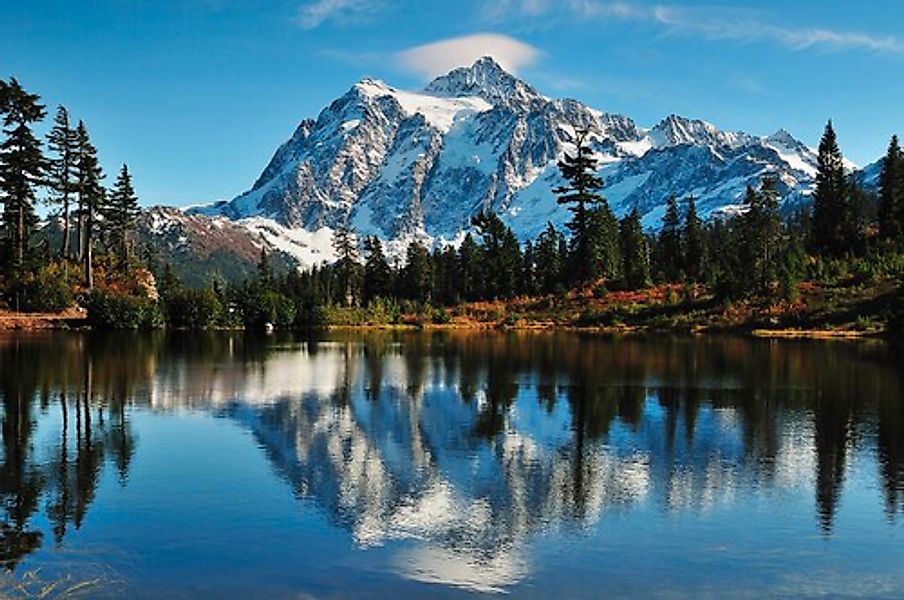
x=472, y=443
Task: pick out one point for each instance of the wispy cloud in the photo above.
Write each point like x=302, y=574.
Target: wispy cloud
x=315, y=13
x=441, y=57
x=706, y=23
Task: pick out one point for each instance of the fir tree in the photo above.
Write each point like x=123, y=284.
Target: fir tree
x=760, y=232
x=831, y=214
x=120, y=213
x=21, y=165
x=501, y=253
x=91, y=198
x=668, y=248
x=528, y=283
x=549, y=260
x=694, y=242
x=470, y=268
x=581, y=193
x=62, y=173
x=605, y=258
x=446, y=279
x=377, y=272
x=634, y=251
x=264, y=271
x=417, y=276
x=891, y=194
x=345, y=244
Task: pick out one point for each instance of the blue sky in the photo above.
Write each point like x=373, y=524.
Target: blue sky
x=197, y=94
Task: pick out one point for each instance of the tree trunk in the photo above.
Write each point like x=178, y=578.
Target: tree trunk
x=79, y=229
x=20, y=234
x=89, y=223
x=64, y=247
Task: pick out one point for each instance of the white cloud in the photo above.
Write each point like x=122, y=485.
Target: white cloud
x=438, y=58
x=315, y=13
x=705, y=22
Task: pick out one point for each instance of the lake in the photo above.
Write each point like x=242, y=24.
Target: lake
x=445, y=465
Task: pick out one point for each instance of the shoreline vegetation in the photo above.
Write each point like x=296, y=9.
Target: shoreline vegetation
x=833, y=267
x=847, y=312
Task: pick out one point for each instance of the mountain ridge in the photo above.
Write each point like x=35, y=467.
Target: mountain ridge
x=419, y=164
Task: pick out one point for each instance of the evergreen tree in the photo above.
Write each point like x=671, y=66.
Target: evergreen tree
x=91, y=198
x=831, y=214
x=446, y=279
x=891, y=194
x=694, y=242
x=120, y=213
x=417, y=276
x=581, y=193
x=377, y=272
x=528, y=283
x=264, y=271
x=668, y=248
x=606, y=258
x=345, y=244
x=549, y=260
x=21, y=166
x=470, y=268
x=501, y=254
x=761, y=235
x=62, y=173
x=634, y=251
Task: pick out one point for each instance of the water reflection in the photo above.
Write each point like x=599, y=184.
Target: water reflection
x=468, y=446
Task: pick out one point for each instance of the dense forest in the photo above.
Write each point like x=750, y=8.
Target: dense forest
x=757, y=257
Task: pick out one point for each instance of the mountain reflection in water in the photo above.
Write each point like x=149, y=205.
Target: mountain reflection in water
x=469, y=447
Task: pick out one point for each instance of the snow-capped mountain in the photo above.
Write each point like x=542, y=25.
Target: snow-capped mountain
x=401, y=164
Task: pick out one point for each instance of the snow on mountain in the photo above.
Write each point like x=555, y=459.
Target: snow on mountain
x=402, y=164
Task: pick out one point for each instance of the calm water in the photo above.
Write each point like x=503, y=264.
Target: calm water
x=418, y=465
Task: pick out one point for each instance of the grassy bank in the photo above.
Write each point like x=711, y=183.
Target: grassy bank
x=846, y=309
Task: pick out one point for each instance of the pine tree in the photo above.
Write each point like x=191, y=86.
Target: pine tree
x=377, y=272
x=549, y=270
x=891, y=194
x=446, y=277
x=581, y=193
x=501, y=253
x=528, y=283
x=831, y=214
x=345, y=244
x=668, y=248
x=605, y=243
x=470, y=268
x=264, y=271
x=761, y=235
x=634, y=251
x=22, y=165
x=91, y=198
x=417, y=276
x=694, y=242
x=120, y=213
x=62, y=173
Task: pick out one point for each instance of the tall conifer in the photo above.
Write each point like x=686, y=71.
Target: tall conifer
x=891, y=194
x=62, y=171
x=21, y=166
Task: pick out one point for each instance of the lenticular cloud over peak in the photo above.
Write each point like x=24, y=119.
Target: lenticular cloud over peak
x=438, y=58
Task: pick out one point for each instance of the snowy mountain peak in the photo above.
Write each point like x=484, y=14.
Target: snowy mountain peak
x=677, y=130
x=408, y=165
x=488, y=80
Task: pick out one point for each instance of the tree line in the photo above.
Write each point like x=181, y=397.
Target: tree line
x=756, y=252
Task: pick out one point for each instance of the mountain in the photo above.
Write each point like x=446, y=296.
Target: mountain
x=402, y=165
